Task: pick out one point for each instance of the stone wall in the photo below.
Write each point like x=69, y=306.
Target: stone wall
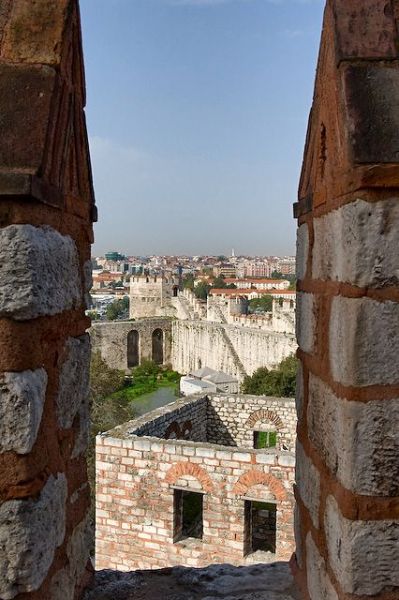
x=234, y=349
x=231, y=420
x=191, y=344
x=347, y=525
x=110, y=339
x=46, y=209
x=137, y=476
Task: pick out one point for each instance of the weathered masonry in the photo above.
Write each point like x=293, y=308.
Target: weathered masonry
x=125, y=344
x=347, y=526
x=46, y=209
x=207, y=479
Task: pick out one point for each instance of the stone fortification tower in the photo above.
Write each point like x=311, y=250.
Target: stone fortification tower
x=152, y=296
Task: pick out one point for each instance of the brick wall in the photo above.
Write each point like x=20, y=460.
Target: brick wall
x=347, y=519
x=136, y=479
x=46, y=210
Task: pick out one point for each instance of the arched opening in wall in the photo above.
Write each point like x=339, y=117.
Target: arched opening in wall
x=175, y=291
x=133, y=348
x=157, y=346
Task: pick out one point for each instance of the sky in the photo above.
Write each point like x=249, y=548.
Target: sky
x=197, y=113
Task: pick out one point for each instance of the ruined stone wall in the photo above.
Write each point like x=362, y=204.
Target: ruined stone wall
x=234, y=349
x=231, y=420
x=110, y=339
x=136, y=479
x=46, y=210
x=186, y=418
x=347, y=525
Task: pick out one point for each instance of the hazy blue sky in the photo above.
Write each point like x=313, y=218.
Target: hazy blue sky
x=197, y=113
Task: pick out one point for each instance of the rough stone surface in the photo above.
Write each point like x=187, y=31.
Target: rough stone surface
x=302, y=251
x=319, y=583
x=22, y=397
x=63, y=584
x=356, y=440
x=88, y=282
x=307, y=478
x=356, y=244
x=363, y=554
x=256, y=582
x=359, y=354
x=306, y=321
x=30, y=531
x=299, y=391
x=45, y=264
x=74, y=380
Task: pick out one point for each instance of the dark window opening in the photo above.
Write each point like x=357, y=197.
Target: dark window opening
x=260, y=527
x=133, y=340
x=157, y=346
x=265, y=439
x=188, y=515
x=175, y=291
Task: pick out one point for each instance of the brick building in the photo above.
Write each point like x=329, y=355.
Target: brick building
x=207, y=479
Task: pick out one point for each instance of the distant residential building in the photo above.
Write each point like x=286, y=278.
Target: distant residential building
x=114, y=256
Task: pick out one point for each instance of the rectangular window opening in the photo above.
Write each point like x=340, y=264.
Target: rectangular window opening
x=265, y=439
x=260, y=527
x=188, y=515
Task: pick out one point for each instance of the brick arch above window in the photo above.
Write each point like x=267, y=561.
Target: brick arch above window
x=265, y=414
x=254, y=477
x=187, y=468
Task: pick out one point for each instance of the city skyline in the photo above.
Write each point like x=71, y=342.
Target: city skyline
x=196, y=133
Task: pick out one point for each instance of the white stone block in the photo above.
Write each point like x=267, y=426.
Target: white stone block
x=286, y=460
x=30, y=531
x=302, y=251
x=22, y=397
x=306, y=321
x=358, y=243
x=73, y=388
x=364, y=342
x=39, y=272
x=362, y=554
x=308, y=482
x=359, y=442
x=319, y=583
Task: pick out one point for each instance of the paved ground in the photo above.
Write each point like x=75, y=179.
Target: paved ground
x=253, y=582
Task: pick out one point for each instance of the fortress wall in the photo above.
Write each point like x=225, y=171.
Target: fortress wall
x=347, y=518
x=46, y=213
x=110, y=339
x=196, y=343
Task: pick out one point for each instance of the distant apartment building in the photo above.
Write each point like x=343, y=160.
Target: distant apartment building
x=287, y=266
x=257, y=269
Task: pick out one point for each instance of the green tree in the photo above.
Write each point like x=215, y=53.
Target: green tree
x=280, y=382
x=201, y=290
x=264, y=304
x=117, y=308
x=188, y=281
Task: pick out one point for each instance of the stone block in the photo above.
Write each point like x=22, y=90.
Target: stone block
x=302, y=251
x=308, y=482
x=286, y=460
x=359, y=442
x=306, y=321
x=30, y=531
x=364, y=342
x=356, y=244
x=64, y=583
x=39, y=272
x=362, y=554
x=319, y=583
x=299, y=391
x=22, y=397
x=73, y=388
